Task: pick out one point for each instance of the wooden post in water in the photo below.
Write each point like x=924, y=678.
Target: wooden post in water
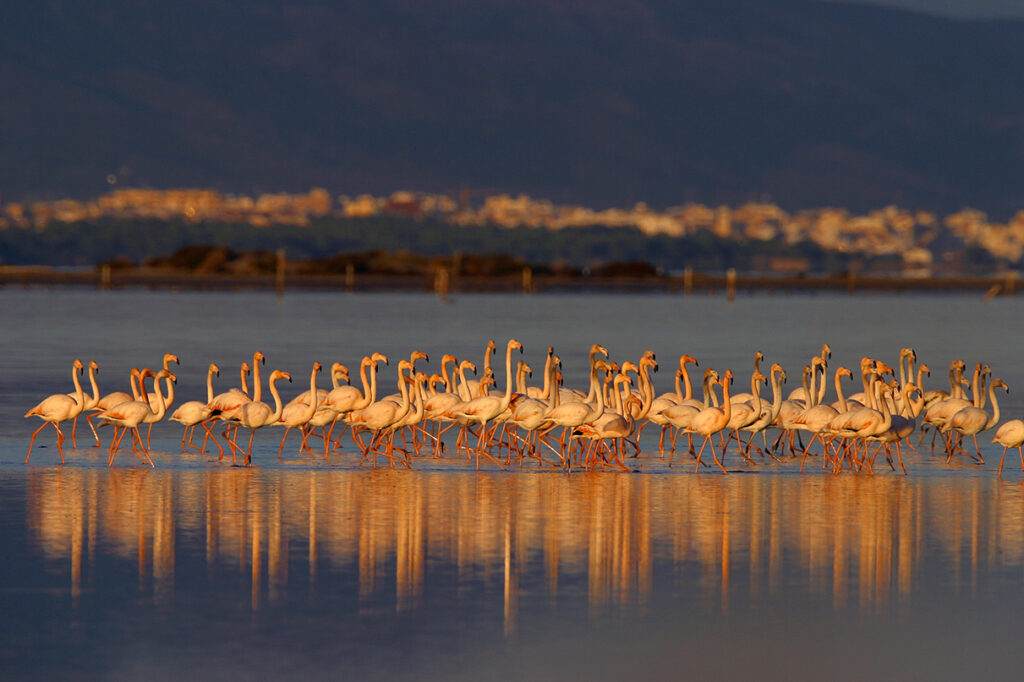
x=105, y=276
x=687, y=280
x=350, y=277
x=1009, y=289
x=527, y=280
x=279, y=277
x=730, y=284
x=441, y=283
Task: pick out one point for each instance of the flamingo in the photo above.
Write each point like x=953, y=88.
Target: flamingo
x=297, y=414
x=112, y=399
x=194, y=412
x=1010, y=435
x=484, y=409
x=971, y=420
x=472, y=387
x=130, y=414
x=257, y=414
x=712, y=420
x=574, y=413
x=87, y=404
x=380, y=415
x=57, y=408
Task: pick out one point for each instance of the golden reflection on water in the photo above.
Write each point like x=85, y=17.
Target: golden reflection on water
x=858, y=541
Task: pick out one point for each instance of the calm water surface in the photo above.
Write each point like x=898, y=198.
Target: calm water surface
x=324, y=570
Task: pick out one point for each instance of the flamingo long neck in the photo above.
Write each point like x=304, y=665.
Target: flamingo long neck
x=954, y=381
x=79, y=393
x=508, y=379
x=686, y=383
x=822, y=386
x=776, y=394
x=647, y=388
x=419, y=404
x=903, y=374
x=257, y=387
x=975, y=392
x=807, y=389
x=311, y=409
x=366, y=362
x=709, y=395
x=134, y=379
x=278, y=405
x=981, y=388
x=209, y=386
x=839, y=392
x=403, y=408
x=679, y=386
x=161, y=402
x=143, y=397
x=169, y=400
x=915, y=406
x=95, y=389
x=886, y=414
x=444, y=374
x=335, y=379
x=726, y=403
x=755, y=390
x=920, y=378
x=245, y=382
x=995, y=406
x=521, y=377
x=371, y=397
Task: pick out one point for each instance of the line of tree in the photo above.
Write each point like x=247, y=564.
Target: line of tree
x=92, y=243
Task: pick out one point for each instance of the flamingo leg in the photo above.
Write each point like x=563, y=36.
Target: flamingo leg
x=33, y=440
x=88, y=419
x=281, y=449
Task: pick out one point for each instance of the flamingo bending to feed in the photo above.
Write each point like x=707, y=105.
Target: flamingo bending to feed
x=57, y=408
x=1010, y=435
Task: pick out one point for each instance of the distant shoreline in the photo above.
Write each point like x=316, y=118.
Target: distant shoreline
x=700, y=283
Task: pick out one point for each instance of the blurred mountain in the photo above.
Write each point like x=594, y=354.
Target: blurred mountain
x=603, y=102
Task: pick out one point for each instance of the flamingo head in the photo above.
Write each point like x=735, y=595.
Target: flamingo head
x=78, y=365
x=446, y=358
x=649, y=354
x=727, y=377
x=683, y=359
x=527, y=368
x=491, y=346
x=826, y=351
x=1001, y=383
x=844, y=372
x=380, y=357
x=925, y=369
x=515, y=344
x=245, y=368
x=627, y=366
x=94, y=366
x=598, y=348
x=467, y=364
x=214, y=369
x=316, y=366
x=279, y=374
x=169, y=358
x=164, y=374
x=883, y=368
x=418, y=355
x=258, y=358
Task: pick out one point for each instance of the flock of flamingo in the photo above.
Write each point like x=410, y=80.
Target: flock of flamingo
x=599, y=427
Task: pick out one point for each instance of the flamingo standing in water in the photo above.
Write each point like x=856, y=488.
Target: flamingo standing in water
x=297, y=414
x=971, y=420
x=127, y=416
x=257, y=414
x=195, y=412
x=1010, y=435
x=484, y=409
x=57, y=408
x=712, y=420
x=88, y=404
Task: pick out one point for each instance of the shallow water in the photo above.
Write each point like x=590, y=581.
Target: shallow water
x=314, y=569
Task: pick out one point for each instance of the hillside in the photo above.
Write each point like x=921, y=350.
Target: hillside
x=602, y=103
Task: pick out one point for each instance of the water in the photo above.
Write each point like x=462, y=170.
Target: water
x=314, y=569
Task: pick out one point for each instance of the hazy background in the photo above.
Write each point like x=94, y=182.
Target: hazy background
x=604, y=103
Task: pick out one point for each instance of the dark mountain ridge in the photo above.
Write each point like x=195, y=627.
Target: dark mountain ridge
x=601, y=102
